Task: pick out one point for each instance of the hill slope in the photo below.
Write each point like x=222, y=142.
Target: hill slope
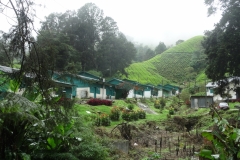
x=173, y=65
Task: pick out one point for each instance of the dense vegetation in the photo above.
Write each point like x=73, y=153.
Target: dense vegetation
x=37, y=125
x=222, y=44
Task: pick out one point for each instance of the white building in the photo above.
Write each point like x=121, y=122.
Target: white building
x=233, y=90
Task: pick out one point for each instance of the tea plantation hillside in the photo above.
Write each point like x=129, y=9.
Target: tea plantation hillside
x=173, y=65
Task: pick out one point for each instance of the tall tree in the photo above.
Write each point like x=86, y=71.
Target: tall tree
x=88, y=34
x=160, y=48
x=55, y=49
x=141, y=51
x=198, y=61
x=179, y=41
x=149, y=54
x=222, y=43
x=19, y=41
x=5, y=57
x=115, y=54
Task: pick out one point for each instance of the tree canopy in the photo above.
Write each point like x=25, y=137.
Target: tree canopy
x=88, y=40
x=222, y=43
x=160, y=48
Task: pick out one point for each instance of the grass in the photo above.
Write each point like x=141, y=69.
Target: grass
x=84, y=109
x=206, y=119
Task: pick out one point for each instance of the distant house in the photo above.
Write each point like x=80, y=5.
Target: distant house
x=64, y=89
x=84, y=85
x=151, y=91
x=116, y=88
x=174, y=89
x=137, y=90
x=232, y=90
x=164, y=91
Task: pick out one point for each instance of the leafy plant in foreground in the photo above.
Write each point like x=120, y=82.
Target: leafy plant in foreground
x=225, y=140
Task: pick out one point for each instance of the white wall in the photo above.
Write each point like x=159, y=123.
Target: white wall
x=131, y=94
x=218, y=97
x=81, y=92
x=147, y=94
x=160, y=93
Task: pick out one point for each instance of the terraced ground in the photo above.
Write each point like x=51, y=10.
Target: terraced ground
x=170, y=66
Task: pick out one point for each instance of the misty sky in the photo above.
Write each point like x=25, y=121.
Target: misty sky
x=145, y=21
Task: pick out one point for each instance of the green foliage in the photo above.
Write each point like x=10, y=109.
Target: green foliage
x=201, y=77
x=141, y=52
x=221, y=44
x=171, y=111
x=161, y=47
x=224, y=140
x=153, y=156
x=157, y=103
x=18, y=118
x=104, y=119
x=71, y=38
x=162, y=102
x=131, y=106
x=166, y=63
x=90, y=148
x=55, y=49
x=115, y=113
x=198, y=61
x=141, y=114
x=43, y=132
x=185, y=95
x=149, y=54
x=130, y=115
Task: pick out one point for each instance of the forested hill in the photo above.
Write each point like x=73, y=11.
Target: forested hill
x=176, y=65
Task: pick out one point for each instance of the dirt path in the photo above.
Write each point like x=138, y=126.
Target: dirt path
x=146, y=108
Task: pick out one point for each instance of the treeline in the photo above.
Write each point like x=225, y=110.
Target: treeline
x=85, y=40
x=81, y=40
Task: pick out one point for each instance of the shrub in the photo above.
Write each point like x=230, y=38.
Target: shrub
x=104, y=119
x=130, y=115
x=131, y=106
x=141, y=114
x=115, y=113
x=188, y=103
x=96, y=102
x=157, y=103
x=171, y=111
x=126, y=115
x=134, y=115
x=162, y=102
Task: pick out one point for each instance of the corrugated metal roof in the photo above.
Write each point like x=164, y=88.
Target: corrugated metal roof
x=63, y=83
x=212, y=84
